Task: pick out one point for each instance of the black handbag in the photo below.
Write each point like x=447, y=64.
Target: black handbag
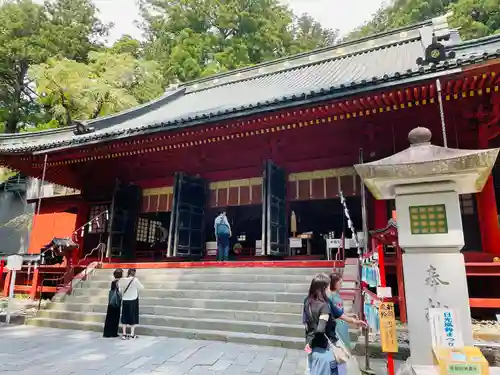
x=115, y=299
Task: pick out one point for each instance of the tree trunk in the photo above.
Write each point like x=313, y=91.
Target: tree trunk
x=14, y=117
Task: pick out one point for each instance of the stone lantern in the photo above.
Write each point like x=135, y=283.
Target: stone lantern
x=426, y=181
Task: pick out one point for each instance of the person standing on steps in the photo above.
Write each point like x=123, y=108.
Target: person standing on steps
x=130, y=286
x=222, y=235
x=114, y=305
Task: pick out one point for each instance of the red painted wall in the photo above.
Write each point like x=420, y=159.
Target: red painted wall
x=50, y=225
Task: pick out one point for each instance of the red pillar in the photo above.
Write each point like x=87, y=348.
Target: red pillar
x=380, y=213
x=35, y=282
x=1, y=270
x=488, y=218
x=487, y=209
x=6, y=284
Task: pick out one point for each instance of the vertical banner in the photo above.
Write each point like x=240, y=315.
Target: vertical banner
x=445, y=328
x=388, y=334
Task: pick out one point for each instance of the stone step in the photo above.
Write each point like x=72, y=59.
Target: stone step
x=209, y=277
x=215, y=304
x=253, y=305
x=93, y=293
x=224, y=304
x=232, y=286
x=190, y=322
x=228, y=271
x=228, y=325
x=198, y=313
x=214, y=286
x=235, y=337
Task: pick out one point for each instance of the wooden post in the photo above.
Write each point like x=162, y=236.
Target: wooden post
x=6, y=284
x=383, y=283
x=380, y=213
x=488, y=218
x=401, y=284
x=487, y=207
x=34, y=283
x=2, y=263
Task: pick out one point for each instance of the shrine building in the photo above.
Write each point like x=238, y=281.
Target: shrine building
x=262, y=142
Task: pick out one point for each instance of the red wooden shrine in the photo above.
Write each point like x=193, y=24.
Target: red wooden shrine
x=382, y=240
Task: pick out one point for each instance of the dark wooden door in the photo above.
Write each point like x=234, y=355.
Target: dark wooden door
x=124, y=215
x=187, y=228
x=274, y=214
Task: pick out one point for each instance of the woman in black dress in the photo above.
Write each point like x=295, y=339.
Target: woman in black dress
x=113, y=312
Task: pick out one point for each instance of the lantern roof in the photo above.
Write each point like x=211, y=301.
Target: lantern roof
x=424, y=162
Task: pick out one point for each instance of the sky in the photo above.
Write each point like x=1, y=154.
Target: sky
x=344, y=15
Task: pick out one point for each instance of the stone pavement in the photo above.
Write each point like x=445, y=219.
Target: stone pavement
x=26, y=350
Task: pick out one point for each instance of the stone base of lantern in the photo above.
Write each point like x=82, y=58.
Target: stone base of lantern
x=435, y=280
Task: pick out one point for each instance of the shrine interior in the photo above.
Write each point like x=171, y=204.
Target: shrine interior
x=152, y=234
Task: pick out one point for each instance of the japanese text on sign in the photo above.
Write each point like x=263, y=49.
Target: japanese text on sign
x=388, y=334
x=464, y=369
x=445, y=329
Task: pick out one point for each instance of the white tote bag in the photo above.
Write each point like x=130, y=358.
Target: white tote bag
x=347, y=363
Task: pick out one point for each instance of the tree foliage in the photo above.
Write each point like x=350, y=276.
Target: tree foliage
x=108, y=83
x=474, y=18
x=55, y=68
x=30, y=34
x=195, y=38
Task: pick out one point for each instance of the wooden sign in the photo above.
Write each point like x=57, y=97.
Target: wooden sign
x=388, y=333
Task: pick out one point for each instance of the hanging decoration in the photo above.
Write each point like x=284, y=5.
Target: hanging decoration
x=370, y=278
x=370, y=309
x=370, y=272
x=88, y=225
x=350, y=223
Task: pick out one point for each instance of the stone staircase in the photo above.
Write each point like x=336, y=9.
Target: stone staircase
x=261, y=306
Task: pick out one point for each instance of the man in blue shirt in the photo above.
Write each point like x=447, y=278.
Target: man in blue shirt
x=222, y=234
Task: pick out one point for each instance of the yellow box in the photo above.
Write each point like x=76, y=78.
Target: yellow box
x=461, y=361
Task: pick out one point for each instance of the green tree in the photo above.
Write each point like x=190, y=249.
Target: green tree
x=474, y=18
x=30, y=34
x=127, y=44
x=22, y=43
x=74, y=28
x=309, y=34
x=193, y=38
x=71, y=90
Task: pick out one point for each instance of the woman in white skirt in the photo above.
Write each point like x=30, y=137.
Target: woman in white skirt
x=130, y=286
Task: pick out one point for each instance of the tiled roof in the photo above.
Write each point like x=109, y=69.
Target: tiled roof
x=327, y=73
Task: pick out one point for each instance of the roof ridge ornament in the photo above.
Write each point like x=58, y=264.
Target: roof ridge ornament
x=82, y=128
x=436, y=51
x=439, y=34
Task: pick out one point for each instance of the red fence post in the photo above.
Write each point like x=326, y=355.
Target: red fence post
x=34, y=283
x=6, y=284
x=1, y=270
x=383, y=283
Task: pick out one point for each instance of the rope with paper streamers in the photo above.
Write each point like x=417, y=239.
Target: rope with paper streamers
x=349, y=222
x=95, y=219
